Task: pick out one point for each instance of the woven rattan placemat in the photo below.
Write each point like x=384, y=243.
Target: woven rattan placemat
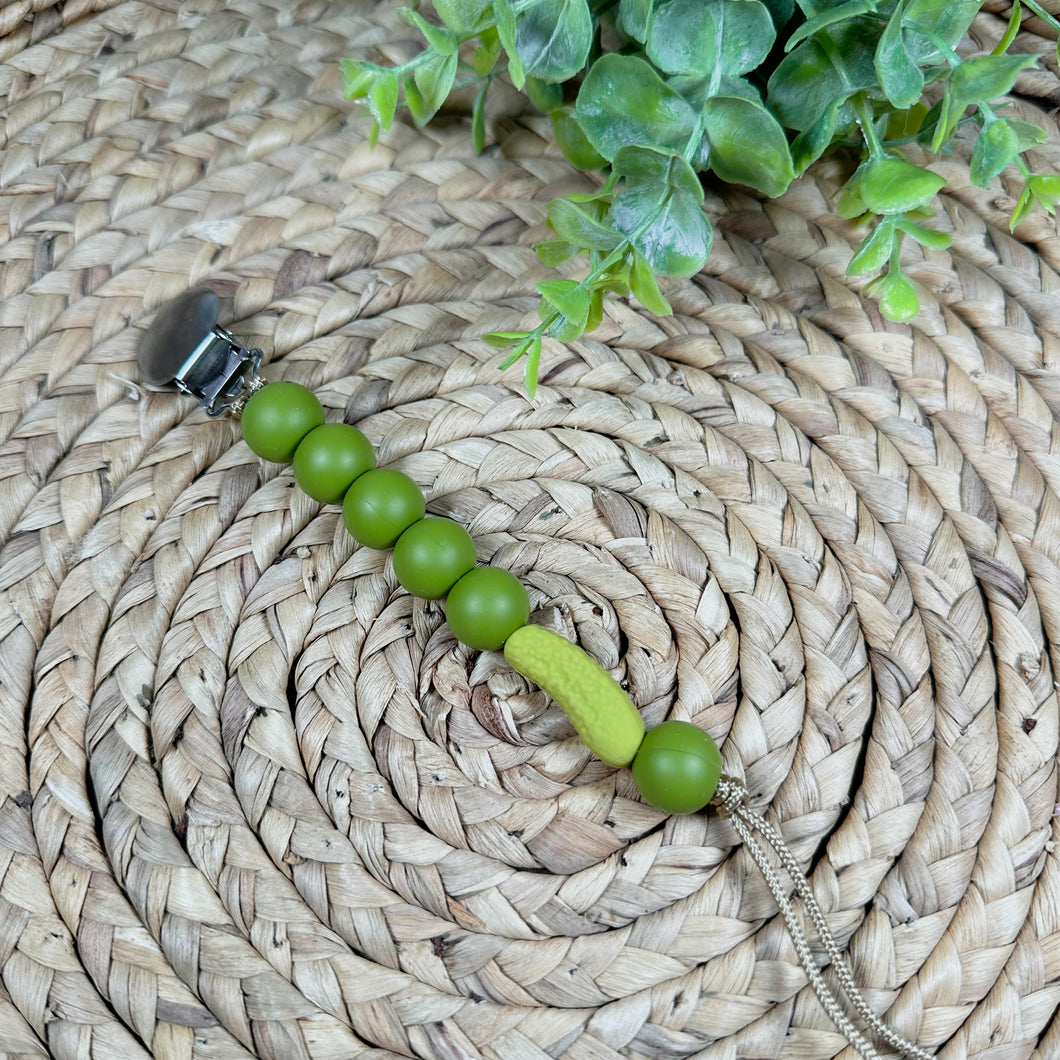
x=256, y=800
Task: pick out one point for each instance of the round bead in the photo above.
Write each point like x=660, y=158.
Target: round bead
x=380, y=506
x=329, y=458
x=486, y=606
x=431, y=555
x=677, y=767
x=277, y=417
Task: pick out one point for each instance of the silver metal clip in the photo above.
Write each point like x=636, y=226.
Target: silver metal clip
x=185, y=347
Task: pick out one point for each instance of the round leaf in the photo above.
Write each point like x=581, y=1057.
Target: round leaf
x=898, y=298
x=747, y=145
x=712, y=38
x=811, y=78
x=553, y=40
x=875, y=250
x=995, y=148
x=623, y=101
x=892, y=185
x=667, y=226
x=572, y=140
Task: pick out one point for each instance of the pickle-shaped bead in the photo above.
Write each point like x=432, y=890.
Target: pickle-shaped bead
x=600, y=710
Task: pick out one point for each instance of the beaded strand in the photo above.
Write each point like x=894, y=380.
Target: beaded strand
x=676, y=766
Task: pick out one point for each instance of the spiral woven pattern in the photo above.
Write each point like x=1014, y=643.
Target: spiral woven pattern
x=257, y=801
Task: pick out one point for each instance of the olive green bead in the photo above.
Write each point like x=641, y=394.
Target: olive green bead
x=486, y=606
x=328, y=460
x=277, y=417
x=677, y=767
x=380, y=506
x=431, y=555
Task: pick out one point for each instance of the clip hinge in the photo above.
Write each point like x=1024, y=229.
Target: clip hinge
x=220, y=373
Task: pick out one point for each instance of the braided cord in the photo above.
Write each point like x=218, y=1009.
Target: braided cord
x=732, y=799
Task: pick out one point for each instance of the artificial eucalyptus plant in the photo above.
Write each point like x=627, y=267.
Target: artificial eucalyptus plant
x=653, y=93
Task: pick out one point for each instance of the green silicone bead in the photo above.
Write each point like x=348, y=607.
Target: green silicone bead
x=486, y=606
x=329, y=458
x=380, y=506
x=677, y=767
x=431, y=555
x=277, y=417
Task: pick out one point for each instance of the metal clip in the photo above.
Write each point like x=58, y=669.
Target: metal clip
x=185, y=347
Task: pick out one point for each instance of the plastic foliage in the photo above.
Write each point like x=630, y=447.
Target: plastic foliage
x=654, y=93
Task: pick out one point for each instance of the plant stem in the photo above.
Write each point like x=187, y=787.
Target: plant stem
x=868, y=127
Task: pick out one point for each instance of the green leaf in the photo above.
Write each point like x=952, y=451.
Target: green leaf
x=485, y=56
x=526, y=341
x=503, y=339
x=1011, y=30
x=504, y=19
x=996, y=147
x=893, y=185
x=570, y=298
x=435, y=80
x=697, y=90
x=357, y=77
x=555, y=252
x=633, y=18
x=1027, y=133
x=596, y=311
x=383, y=98
x=646, y=288
x=533, y=359
x=577, y=226
x=710, y=38
x=948, y=20
x=900, y=76
x=988, y=77
x=553, y=39
x=663, y=218
x=780, y=11
x=1023, y=206
x=544, y=95
x=478, y=119
x=415, y=102
x=814, y=77
x=875, y=249
x=573, y=142
x=828, y=17
x=811, y=143
x=443, y=41
x=622, y=101
x=460, y=15
x=927, y=237
x=747, y=145
x=898, y=298
x=1045, y=188
x=977, y=81
x=637, y=166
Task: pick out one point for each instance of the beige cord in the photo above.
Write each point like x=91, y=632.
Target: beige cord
x=732, y=799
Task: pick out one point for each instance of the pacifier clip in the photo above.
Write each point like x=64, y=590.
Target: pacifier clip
x=676, y=766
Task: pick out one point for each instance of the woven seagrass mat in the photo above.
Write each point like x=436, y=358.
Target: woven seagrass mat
x=256, y=800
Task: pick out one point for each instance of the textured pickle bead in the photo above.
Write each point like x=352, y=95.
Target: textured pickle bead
x=486, y=606
x=328, y=460
x=277, y=417
x=431, y=555
x=605, y=717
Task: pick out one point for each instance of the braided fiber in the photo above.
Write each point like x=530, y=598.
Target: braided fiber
x=256, y=801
